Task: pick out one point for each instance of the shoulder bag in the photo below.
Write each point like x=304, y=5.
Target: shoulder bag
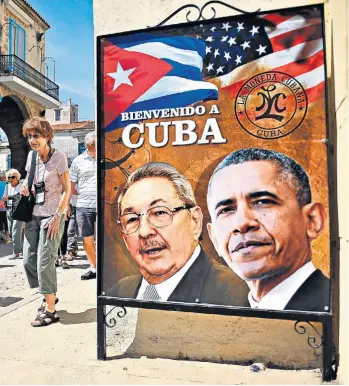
x=23, y=206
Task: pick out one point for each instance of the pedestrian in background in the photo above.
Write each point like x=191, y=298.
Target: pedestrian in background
x=69, y=244
x=15, y=227
x=42, y=235
x=5, y=235
x=83, y=177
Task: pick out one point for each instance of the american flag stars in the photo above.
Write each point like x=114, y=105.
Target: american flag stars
x=240, y=26
x=261, y=49
x=226, y=26
x=227, y=56
x=231, y=44
x=219, y=70
x=245, y=45
x=209, y=67
x=232, y=41
x=254, y=30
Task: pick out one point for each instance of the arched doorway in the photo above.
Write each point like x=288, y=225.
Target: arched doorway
x=13, y=113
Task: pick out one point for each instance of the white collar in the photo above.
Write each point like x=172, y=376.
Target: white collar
x=279, y=296
x=87, y=155
x=166, y=288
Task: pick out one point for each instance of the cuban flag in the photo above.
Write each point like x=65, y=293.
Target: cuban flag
x=147, y=72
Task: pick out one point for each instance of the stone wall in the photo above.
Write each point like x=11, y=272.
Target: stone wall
x=33, y=107
x=12, y=116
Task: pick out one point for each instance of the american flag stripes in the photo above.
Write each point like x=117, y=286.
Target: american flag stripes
x=297, y=49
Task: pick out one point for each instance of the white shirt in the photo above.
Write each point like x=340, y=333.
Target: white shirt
x=166, y=288
x=12, y=190
x=83, y=171
x=73, y=199
x=279, y=296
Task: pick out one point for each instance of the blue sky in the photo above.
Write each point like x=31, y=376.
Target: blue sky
x=70, y=42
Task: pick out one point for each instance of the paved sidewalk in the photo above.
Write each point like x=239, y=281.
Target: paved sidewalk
x=65, y=353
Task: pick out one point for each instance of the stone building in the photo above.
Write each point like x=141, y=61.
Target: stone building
x=66, y=113
x=69, y=133
x=24, y=89
x=69, y=137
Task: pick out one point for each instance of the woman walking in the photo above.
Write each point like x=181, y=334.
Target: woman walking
x=15, y=227
x=42, y=235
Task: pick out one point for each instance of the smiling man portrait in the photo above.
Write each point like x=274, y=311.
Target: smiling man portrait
x=161, y=226
x=262, y=223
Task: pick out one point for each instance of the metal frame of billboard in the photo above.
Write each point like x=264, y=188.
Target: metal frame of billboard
x=303, y=320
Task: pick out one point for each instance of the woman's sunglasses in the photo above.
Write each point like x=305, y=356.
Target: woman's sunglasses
x=11, y=177
x=34, y=136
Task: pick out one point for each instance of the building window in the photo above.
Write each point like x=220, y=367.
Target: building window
x=57, y=115
x=17, y=38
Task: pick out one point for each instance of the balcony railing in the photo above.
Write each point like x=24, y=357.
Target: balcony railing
x=13, y=65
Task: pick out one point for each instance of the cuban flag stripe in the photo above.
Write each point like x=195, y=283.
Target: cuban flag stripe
x=146, y=72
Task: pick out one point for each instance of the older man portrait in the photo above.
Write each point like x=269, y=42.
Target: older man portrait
x=161, y=225
x=262, y=223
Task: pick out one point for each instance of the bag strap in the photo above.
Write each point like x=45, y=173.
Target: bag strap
x=32, y=171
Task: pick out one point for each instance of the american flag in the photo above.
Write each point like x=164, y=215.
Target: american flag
x=172, y=68
x=290, y=42
x=232, y=44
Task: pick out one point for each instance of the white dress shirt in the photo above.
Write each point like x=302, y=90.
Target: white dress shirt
x=279, y=296
x=166, y=288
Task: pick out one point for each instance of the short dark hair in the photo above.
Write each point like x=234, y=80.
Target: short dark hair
x=286, y=165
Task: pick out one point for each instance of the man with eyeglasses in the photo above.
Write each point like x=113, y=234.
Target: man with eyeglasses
x=161, y=225
x=84, y=185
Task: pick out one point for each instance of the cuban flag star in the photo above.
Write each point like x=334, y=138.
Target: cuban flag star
x=146, y=72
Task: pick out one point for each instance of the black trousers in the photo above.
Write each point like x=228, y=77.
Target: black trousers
x=3, y=222
x=69, y=238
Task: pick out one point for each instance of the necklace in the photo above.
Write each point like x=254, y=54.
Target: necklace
x=49, y=155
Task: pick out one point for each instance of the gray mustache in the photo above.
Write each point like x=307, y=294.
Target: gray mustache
x=151, y=244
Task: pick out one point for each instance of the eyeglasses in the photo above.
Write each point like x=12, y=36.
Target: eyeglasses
x=158, y=216
x=91, y=145
x=34, y=136
x=11, y=177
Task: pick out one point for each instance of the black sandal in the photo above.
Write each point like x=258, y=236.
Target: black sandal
x=43, y=305
x=45, y=318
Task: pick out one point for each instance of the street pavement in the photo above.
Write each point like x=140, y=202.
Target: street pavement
x=65, y=352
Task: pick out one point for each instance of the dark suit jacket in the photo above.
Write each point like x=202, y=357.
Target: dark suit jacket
x=313, y=295
x=205, y=282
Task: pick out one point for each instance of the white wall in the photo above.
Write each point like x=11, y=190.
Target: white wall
x=69, y=114
x=3, y=160
x=67, y=144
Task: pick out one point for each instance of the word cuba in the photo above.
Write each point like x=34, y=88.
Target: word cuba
x=158, y=133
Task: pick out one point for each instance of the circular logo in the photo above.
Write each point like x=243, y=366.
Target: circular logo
x=271, y=105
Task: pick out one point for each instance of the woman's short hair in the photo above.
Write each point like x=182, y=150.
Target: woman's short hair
x=13, y=172
x=41, y=126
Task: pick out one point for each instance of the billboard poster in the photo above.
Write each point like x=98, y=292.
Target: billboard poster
x=214, y=180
